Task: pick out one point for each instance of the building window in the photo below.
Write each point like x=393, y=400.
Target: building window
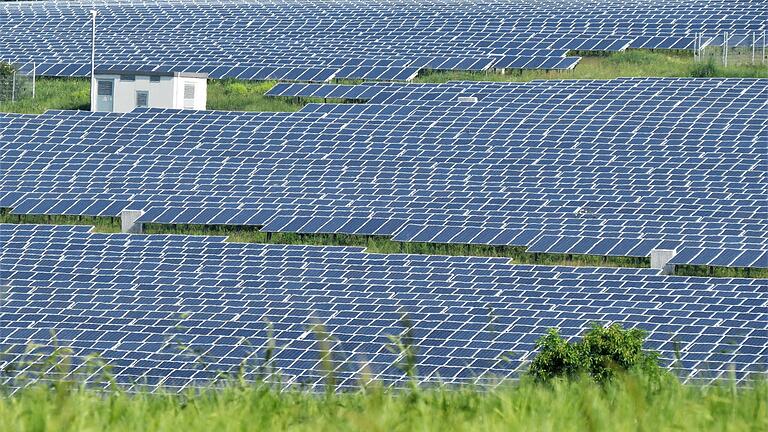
x=104, y=88
x=154, y=78
x=128, y=77
x=142, y=99
x=189, y=95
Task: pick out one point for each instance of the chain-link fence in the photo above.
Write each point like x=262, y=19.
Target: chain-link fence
x=729, y=49
x=17, y=82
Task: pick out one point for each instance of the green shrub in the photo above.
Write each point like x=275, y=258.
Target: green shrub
x=601, y=354
x=556, y=358
x=6, y=69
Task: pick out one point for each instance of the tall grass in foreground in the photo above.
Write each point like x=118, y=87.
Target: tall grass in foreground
x=629, y=404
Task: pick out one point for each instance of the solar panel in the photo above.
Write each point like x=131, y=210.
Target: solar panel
x=178, y=311
x=549, y=63
x=605, y=167
x=721, y=257
x=313, y=40
x=382, y=73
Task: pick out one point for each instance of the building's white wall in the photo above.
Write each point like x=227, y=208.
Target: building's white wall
x=168, y=93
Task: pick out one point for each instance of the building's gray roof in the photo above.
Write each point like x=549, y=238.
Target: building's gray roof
x=138, y=72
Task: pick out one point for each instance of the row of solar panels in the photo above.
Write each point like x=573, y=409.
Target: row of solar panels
x=542, y=233
x=324, y=70
x=447, y=92
x=317, y=40
x=394, y=93
x=319, y=74
x=567, y=14
x=154, y=306
x=671, y=162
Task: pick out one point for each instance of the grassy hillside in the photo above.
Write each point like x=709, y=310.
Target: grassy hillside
x=72, y=93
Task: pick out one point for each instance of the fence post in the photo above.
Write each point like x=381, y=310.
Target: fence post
x=34, y=75
x=695, y=47
x=754, y=47
x=696, y=56
x=725, y=49
x=13, y=86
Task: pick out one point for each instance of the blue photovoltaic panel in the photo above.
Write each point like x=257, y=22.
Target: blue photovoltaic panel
x=606, y=167
x=456, y=63
x=721, y=257
x=378, y=73
x=522, y=62
x=598, y=246
x=465, y=235
x=205, y=215
x=154, y=305
x=270, y=40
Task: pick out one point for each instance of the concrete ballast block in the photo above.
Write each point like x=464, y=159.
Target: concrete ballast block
x=128, y=222
x=660, y=259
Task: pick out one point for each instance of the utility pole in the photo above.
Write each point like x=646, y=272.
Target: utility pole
x=93, y=55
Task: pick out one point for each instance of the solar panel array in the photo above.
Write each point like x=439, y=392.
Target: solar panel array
x=611, y=168
x=176, y=311
x=307, y=40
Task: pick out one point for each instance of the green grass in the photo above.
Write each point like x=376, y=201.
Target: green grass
x=631, y=404
x=632, y=63
x=72, y=94
x=233, y=95
x=100, y=224
x=698, y=270
x=53, y=93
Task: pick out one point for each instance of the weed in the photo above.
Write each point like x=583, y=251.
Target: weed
x=705, y=69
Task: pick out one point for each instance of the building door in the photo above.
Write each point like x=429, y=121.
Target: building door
x=189, y=95
x=105, y=95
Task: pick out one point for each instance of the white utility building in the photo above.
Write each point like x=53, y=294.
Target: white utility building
x=124, y=90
